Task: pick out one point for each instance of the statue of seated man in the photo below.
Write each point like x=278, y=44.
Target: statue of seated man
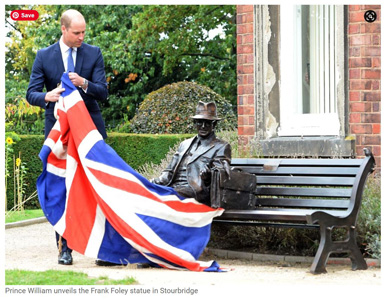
x=189, y=172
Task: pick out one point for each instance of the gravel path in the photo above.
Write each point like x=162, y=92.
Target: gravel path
x=33, y=248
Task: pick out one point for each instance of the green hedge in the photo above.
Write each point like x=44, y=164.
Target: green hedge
x=29, y=148
x=135, y=149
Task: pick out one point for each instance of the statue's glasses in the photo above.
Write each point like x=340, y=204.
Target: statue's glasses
x=206, y=123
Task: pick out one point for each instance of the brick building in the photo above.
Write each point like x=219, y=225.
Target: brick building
x=309, y=79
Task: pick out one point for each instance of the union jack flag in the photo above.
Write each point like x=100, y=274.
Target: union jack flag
x=105, y=209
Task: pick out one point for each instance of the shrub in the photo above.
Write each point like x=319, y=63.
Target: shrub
x=29, y=147
x=135, y=149
x=369, y=221
x=138, y=149
x=169, y=109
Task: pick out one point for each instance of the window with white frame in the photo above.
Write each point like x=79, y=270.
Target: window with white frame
x=312, y=69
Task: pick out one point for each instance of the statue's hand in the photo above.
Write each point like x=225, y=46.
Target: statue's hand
x=227, y=168
x=163, y=179
x=205, y=173
x=155, y=180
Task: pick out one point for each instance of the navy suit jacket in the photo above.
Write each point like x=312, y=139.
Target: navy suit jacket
x=47, y=71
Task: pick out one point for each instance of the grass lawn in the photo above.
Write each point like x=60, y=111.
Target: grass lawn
x=15, y=216
x=55, y=277
x=52, y=277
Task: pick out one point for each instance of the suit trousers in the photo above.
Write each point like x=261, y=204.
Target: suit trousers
x=62, y=243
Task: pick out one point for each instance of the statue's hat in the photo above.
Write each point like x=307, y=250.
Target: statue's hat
x=206, y=111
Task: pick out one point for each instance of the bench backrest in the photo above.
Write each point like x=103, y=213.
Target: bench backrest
x=308, y=183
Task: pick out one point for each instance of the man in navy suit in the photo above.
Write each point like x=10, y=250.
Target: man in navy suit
x=86, y=69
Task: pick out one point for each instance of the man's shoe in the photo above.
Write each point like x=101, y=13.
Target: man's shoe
x=65, y=258
x=103, y=263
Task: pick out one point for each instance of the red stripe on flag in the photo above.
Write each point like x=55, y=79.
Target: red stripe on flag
x=80, y=212
x=127, y=231
x=54, y=135
x=59, y=163
x=135, y=188
x=64, y=125
x=80, y=122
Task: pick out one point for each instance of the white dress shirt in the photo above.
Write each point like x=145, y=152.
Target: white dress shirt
x=64, y=49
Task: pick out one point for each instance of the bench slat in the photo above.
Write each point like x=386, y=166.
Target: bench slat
x=312, y=203
x=298, y=162
x=302, y=170
x=292, y=180
x=306, y=192
x=298, y=215
x=276, y=224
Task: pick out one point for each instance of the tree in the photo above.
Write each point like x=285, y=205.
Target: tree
x=21, y=48
x=144, y=48
x=167, y=44
x=190, y=42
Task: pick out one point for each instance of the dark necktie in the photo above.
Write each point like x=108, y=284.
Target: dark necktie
x=70, y=61
x=198, y=145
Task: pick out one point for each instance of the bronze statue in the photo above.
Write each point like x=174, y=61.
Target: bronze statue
x=189, y=172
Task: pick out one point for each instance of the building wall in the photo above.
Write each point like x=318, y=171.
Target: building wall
x=364, y=79
x=245, y=71
x=364, y=94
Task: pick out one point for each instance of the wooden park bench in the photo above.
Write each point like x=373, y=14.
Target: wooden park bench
x=308, y=193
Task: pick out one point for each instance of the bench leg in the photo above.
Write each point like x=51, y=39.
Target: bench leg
x=327, y=246
x=357, y=259
x=323, y=251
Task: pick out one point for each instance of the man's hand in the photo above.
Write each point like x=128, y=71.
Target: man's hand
x=76, y=79
x=53, y=96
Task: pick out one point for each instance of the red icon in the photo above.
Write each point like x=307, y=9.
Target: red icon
x=24, y=15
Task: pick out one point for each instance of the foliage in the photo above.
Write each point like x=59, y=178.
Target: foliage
x=137, y=149
x=20, y=116
x=20, y=171
x=29, y=148
x=152, y=170
x=10, y=139
x=21, y=45
x=240, y=149
x=144, y=48
x=15, y=173
x=169, y=109
x=24, y=40
x=58, y=277
x=265, y=240
x=134, y=149
x=179, y=38
x=370, y=219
